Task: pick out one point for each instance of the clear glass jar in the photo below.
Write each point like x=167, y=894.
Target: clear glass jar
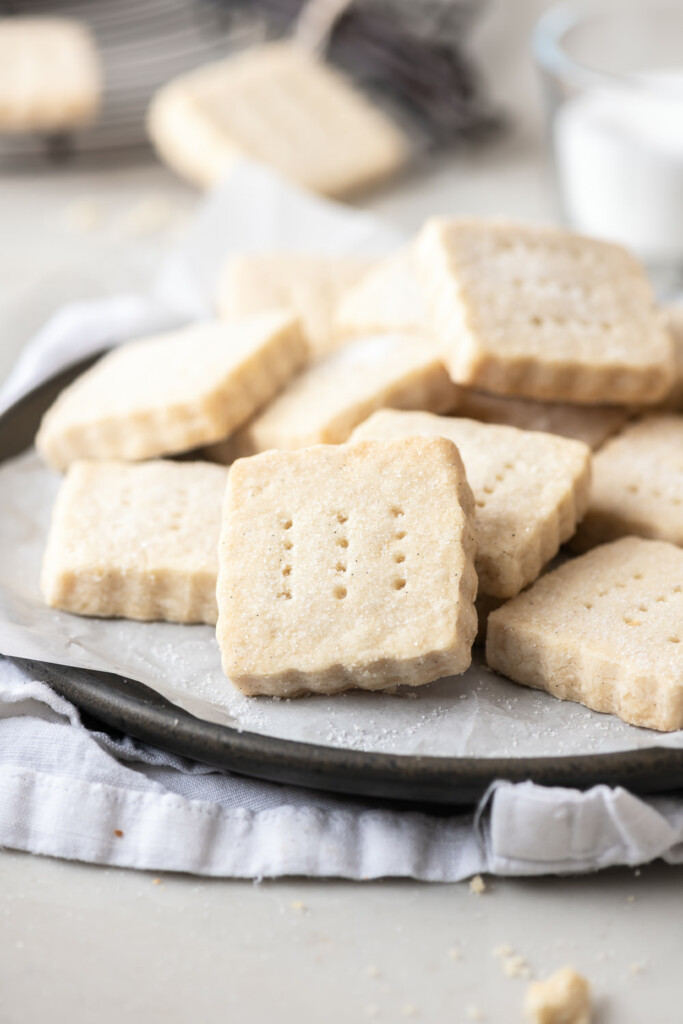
x=613, y=84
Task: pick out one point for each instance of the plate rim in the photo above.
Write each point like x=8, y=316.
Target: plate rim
x=136, y=709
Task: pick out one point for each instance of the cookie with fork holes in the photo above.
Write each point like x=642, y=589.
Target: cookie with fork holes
x=530, y=490
x=538, y=312
x=347, y=566
x=605, y=629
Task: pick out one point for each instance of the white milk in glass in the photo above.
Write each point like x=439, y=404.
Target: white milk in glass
x=619, y=151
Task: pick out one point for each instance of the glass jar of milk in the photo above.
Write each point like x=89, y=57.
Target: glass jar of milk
x=613, y=79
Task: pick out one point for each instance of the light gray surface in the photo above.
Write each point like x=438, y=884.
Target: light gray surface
x=104, y=945
x=84, y=944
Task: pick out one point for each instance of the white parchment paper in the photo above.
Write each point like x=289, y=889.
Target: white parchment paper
x=478, y=714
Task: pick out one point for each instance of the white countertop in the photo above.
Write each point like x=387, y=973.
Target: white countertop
x=87, y=944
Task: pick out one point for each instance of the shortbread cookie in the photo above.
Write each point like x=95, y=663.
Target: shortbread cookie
x=592, y=424
x=172, y=392
x=309, y=286
x=605, y=629
x=278, y=104
x=637, y=484
x=563, y=998
x=674, y=320
x=324, y=403
x=136, y=541
x=387, y=299
x=541, y=313
x=346, y=566
x=50, y=77
x=530, y=490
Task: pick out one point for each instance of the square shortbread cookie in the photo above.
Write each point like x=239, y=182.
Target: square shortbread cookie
x=136, y=541
x=325, y=402
x=346, y=566
x=172, y=392
x=386, y=299
x=541, y=313
x=278, y=104
x=592, y=424
x=530, y=490
x=637, y=484
x=50, y=76
x=674, y=321
x=605, y=629
x=309, y=286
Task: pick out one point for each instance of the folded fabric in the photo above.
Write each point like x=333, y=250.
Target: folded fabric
x=70, y=792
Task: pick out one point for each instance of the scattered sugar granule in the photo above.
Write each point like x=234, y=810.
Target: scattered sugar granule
x=454, y=953
x=373, y=972
x=474, y=1013
x=636, y=968
x=563, y=998
x=630, y=899
x=298, y=905
x=372, y=1010
x=409, y=1010
x=477, y=885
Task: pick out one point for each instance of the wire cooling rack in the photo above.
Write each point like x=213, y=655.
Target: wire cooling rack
x=408, y=53
x=142, y=44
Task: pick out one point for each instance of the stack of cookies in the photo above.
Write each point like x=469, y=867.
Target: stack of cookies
x=410, y=442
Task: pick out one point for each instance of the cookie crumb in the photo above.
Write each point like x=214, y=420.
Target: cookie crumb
x=156, y=881
x=118, y=833
x=563, y=998
x=503, y=950
x=515, y=966
x=477, y=885
x=298, y=905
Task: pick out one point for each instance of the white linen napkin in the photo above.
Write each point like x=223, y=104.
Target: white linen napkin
x=71, y=792
x=67, y=791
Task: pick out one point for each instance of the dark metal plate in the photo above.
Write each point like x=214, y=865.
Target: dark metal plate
x=131, y=707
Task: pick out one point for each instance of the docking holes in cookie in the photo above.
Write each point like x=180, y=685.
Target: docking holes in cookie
x=340, y=568
x=286, y=570
x=399, y=581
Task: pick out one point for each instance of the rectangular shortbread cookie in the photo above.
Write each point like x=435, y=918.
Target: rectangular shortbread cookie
x=172, y=392
x=541, y=313
x=592, y=424
x=346, y=566
x=136, y=541
x=637, y=484
x=387, y=298
x=325, y=402
x=530, y=490
x=280, y=105
x=50, y=75
x=309, y=286
x=605, y=629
